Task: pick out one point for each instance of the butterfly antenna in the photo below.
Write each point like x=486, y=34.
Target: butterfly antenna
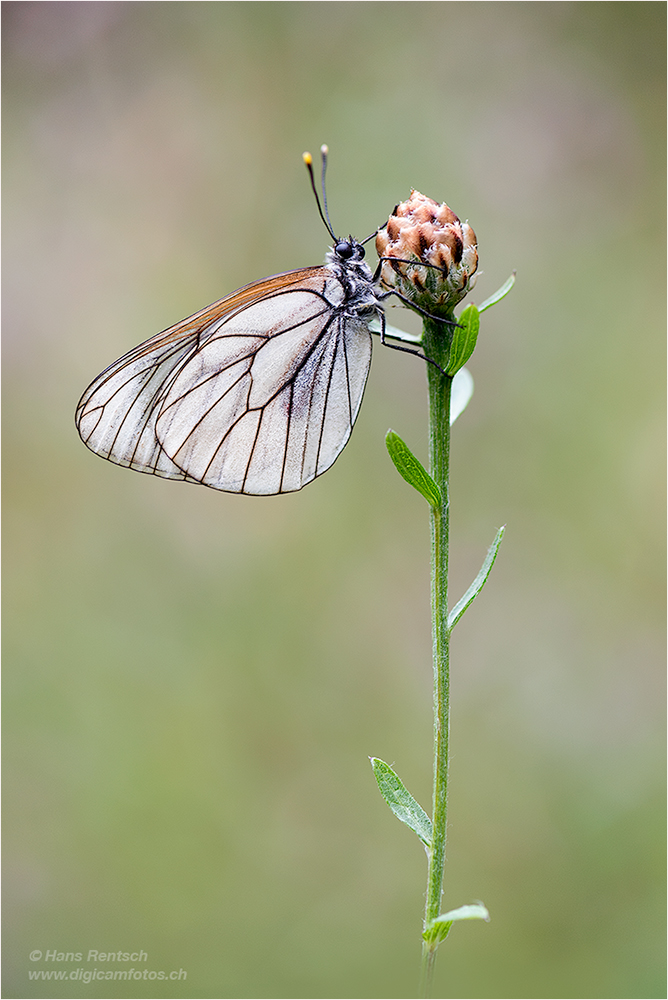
x=308, y=160
x=324, y=153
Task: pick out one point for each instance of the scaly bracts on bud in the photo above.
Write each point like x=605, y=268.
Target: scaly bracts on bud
x=423, y=231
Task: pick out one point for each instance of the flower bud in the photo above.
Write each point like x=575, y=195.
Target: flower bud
x=423, y=231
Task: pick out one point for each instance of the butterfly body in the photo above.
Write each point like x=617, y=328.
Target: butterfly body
x=255, y=394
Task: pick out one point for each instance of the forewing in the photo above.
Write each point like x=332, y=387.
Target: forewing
x=116, y=416
x=267, y=401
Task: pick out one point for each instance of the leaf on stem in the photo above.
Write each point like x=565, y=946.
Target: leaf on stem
x=464, y=338
x=501, y=294
x=411, y=469
x=438, y=928
x=479, y=582
x=401, y=802
x=462, y=390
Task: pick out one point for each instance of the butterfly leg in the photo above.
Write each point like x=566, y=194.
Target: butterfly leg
x=396, y=347
x=423, y=312
x=404, y=260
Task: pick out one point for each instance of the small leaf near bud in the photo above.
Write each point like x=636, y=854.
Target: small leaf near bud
x=464, y=338
x=411, y=469
x=428, y=255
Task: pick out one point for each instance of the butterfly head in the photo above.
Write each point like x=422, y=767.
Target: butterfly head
x=348, y=250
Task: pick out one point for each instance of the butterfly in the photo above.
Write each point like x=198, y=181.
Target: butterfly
x=255, y=394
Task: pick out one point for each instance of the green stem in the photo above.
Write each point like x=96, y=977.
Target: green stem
x=436, y=345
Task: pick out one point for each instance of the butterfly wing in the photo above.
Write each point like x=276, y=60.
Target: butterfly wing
x=256, y=394
x=116, y=414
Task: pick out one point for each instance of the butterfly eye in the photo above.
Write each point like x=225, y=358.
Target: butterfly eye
x=344, y=249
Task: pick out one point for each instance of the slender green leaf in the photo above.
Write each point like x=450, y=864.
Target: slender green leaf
x=411, y=469
x=437, y=929
x=401, y=802
x=462, y=390
x=501, y=294
x=464, y=338
x=479, y=582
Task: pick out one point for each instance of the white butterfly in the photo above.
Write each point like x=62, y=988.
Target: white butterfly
x=257, y=393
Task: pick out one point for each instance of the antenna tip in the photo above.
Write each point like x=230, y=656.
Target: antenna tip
x=307, y=158
x=324, y=150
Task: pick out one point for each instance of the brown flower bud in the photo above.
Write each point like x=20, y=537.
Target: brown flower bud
x=422, y=232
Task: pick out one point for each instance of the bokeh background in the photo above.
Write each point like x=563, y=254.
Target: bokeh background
x=194, y=680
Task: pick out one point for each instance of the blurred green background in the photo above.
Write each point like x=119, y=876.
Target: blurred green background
x=194, y=680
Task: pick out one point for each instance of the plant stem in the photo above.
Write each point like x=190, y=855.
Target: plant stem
x=436, y=345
